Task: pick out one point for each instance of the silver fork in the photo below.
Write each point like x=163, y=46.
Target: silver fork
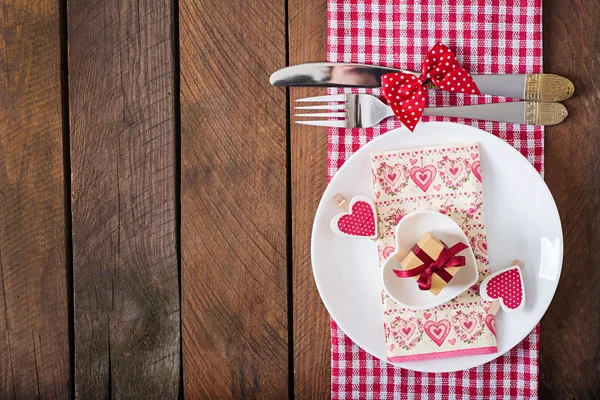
x=365, y=111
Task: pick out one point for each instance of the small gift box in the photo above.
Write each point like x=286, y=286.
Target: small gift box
x=432, y=263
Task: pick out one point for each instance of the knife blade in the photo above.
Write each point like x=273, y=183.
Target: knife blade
x=533, y=87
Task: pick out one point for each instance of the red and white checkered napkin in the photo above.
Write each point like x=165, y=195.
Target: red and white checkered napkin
x=499, y=37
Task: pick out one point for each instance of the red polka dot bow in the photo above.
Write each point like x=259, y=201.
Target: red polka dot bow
x=407, y=93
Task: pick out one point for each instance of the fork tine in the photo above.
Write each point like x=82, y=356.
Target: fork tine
x=325, y=107
x=335, y=97
x=331, y=122
x=331, y=115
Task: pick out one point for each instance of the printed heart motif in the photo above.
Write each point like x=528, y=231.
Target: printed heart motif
x=476, y=168
x=486, y=308
x=506, y=286
x=377, y=194
x=473, y=155
x=454, y=171
x=467, y=323
x=387, y=251
x=437, y=187
x=482, y=244
x=413, y=161
x=490, y=321
x=393, y=177
x=437, y=331
x=361, y=221
x=407, y=330
x=452, y=341
x=427, y=315
x=423, y=177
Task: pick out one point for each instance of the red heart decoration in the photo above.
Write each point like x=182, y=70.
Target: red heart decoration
x=467, y=323
x=454, y=171
x=476, y=168
x=482, y=244
x=423, y=177
x=360, y=221
x=437, y=331
x=393, y=177
x=490, y=321
x=407, y=330
x=506, y=286
x=387, y=251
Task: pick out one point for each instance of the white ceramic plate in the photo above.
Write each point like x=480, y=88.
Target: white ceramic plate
x=522, y=222
x=409, y=230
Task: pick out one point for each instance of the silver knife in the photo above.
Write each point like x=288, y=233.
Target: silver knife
x=533, y=87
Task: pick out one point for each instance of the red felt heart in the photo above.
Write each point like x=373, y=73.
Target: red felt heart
x=506, y=286
x=359, y=222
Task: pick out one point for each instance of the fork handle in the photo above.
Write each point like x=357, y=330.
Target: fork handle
x=519, y=112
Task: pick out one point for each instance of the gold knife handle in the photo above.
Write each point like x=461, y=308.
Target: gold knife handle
x=548, y=87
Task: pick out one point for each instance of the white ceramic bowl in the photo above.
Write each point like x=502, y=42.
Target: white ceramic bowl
x=409, y=230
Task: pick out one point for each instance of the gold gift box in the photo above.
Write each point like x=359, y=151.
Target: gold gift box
x=432, y=247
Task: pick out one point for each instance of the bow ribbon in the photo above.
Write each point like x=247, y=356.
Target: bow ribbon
x=446, y=259
x=406, y=93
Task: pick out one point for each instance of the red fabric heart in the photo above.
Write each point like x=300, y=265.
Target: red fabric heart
x=406, y=93
x=359, y=222
x=508, y=287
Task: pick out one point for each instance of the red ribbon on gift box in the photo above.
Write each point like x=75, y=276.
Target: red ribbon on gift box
x=446, y=259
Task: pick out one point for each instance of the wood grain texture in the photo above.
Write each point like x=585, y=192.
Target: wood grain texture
x=312, y=338
x=570, y=330
x=126, y=290
x=234, y=263
x=34, y=344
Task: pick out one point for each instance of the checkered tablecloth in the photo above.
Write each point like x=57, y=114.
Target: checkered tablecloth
x=489, y=36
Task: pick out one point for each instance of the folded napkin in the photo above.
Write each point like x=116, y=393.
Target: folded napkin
x=446, y=179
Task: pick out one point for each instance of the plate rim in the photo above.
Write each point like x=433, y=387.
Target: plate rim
x=440, y=124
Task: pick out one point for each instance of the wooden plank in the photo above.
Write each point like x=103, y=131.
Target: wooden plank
x=233, y=226
x=34, y=344
x=126, y=290
x=312, y=338
x=570, y=330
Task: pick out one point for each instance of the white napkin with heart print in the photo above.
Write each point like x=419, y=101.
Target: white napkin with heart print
x=446, y=179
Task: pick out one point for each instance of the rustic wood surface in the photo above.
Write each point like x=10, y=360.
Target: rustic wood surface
x=233, y=199
x=312, y=339
x=249, y=182
x=126, y=287
x=570, y=330
x=34, y=344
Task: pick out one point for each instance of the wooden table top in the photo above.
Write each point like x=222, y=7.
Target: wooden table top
x=155, y=228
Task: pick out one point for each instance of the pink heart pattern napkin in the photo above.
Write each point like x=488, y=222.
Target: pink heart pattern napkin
x=445, y=179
